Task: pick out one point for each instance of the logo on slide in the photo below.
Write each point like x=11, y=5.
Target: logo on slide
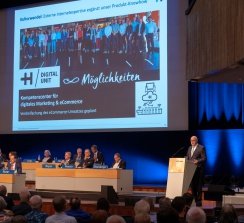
x=27, y=78
x=37, y=78
x=148, y=98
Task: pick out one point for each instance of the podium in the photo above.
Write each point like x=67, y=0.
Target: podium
x=180, y=174
x=13, y=182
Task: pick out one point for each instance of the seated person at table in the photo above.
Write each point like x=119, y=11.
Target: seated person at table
x=2, y=156
x=67, y=160
x=118, y=162
x=2, y=159
x=78, y=157
x=97, y=155
x=87, y=161
x=14, y=153
x=14, y=164
x=47, y=157
x=18, y=159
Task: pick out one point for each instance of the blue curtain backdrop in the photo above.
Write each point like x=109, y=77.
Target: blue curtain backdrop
x=217, y=108
x=216, y=105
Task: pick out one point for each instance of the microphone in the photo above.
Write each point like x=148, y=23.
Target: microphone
x=181, y=148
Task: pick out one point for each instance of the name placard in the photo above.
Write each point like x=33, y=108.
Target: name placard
x=6, y=171
x=49, y=166
x=29, y=160
x=99, y=166
x=68, y=167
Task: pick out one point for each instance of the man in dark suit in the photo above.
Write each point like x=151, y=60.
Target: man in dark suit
x=67, y=160
x=17, y=160
x=14, y=164
x=118, y=162
x=78, y=157
x=97, y=155
x=196, y=153
x=88, y=161
x=140, y=36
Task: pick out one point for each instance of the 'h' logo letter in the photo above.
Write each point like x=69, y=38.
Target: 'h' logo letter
x=27, y=78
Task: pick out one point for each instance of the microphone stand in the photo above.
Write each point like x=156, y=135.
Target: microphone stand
x=178, y=151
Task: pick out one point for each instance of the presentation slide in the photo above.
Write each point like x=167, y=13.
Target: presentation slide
x=91, y=65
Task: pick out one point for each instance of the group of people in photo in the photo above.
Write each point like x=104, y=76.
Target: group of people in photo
x=135, y=33
x=89, y=159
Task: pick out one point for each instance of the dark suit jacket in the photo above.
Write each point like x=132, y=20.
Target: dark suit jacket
x=18, y=166
x=100, y=158
x=142, y=28
x=9, y=201
x=71, y=162
x=199, y=154
x=75, y=157
x=1, y=165
x=22, y=209
x=86, y=163
x=122, y=164
x=3, y=158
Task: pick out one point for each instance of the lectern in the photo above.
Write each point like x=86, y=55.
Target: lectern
x=180, y=174
x=13, y=182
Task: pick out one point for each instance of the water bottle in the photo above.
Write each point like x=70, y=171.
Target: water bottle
x=39, y=158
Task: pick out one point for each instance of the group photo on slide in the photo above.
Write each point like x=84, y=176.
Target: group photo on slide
x=124, y=41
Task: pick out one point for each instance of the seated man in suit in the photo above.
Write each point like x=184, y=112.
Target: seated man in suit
x=14, y=164
x=118, y=162
x=87, y=161
x=18, y=159
x=78, y=157
x=97, y=155
x=67, y=160
x=14, y=153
